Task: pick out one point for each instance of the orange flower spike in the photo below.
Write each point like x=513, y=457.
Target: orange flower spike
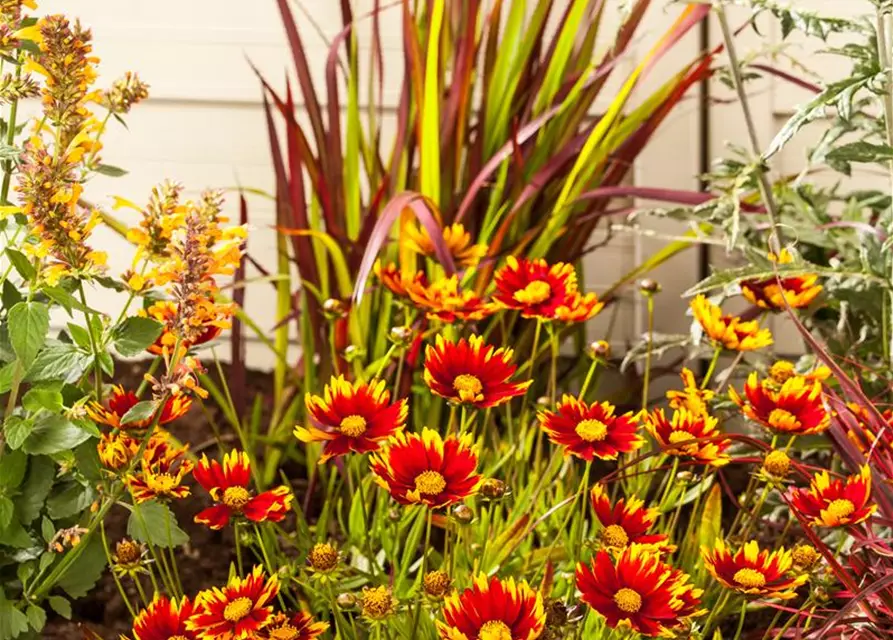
x=163, y=619
x=228, y=485
x=590, y=431
x=211, y=320
x=773, y=293
x=638, y=590
x=493, y=609
x=470, y=372
x=835, y=502
x=626, y=522
x=356, y=417
x=795, y=408
x=238, y=611
x=753, y=571
x=729, y=332
x=426, y=469
x=677, y=435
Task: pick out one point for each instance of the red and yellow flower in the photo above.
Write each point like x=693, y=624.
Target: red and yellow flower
x=678, y=436
x=164, y=619
x=445, y=300
x=470, y=372
x=298, y=626
x=591, y=430
x=626, y=522
x=775, y=294
x=837, y=502
x=238, y=611
x=867, y=438
x=352, y=417
x=212, y=321
x=639, y=590
x=426, y=469
x=121, y=401
x=540, y=290
x=691, y=397
x=229, y=484
x=753, y=571
x=795, y=408
x=457, y=240
x=398, y=281
x=493, y=609
x=729, y=332
x=161, y=472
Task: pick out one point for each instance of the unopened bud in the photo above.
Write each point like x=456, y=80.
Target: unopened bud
x=334, y=309
x=494, y=489
x=401, y=336
x=353, y=353
x=437, y=584
x=346, y=601
x=463, y=514
x=777, y=463
x=599, y=350
x=649, y=287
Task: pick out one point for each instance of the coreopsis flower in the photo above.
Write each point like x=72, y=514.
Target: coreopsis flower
x=125, y=92
x=776, y=464
x=437, y=584
x=470, y=372
x=117, y=450
x=121, y=401
x=445, y=300
x=493, y=609
x=639, y=590
x=691, y=397
x=323, y=560
x=398, y=282
x=297, y=626
x=837, y=502
x=782, y=370
x=753, y=571
x=377, y=603
x=164, y=619
x=129, y=558
x=805, y=557
x=229, y=485
x=349, y=417
x=165, y=311
x=729, y=332
x=678, y=436
x=457, y=240
x=238, y=611
x=160, y=473
x=590, y=431
x=426, y=469
x=776, y=294
x=540, y=290
x=626, y=522
x=796, y=408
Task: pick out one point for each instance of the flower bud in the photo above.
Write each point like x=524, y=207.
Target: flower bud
x=437, y=584
x=494, y=489
x=334, y=309
x=346, y=601
x=323, y=557
x=805, y=556
x=777, y=464
x=353, y=353
x=463, y=514
x=649, y=287
x=401, y=336
x=599, y=350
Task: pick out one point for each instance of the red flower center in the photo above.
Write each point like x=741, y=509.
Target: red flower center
x=592, y=430
x=237, y=609
x=468, y=386
x=750, y=578
x=534, y=293
x=841, y=508
x=430, y=483
x=495, y=630
x=353, y=426
x=628, y=600
x=615, y=536
x=236, y=497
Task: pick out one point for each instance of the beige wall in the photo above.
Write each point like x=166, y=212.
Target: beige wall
x=204, y=124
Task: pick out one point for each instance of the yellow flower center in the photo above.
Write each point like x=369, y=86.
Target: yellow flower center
x=781, y=371
x=680, y=436
x=777, y=463
x=163, y=483
x=615, y=536
x=750, y=578
x=805, y=555
x=377, y=602
x=468, y=386
x=592, y=430
x=783, y=420
x=286, y=632
x=353, y=426
x=323, y=557
x=841, y=508
x=436, y=583
x=495, y=630
x=127, y=552
x=628, y=600
x=236, y=497
x=237, y=609
x=429, y=483
x=534, y=293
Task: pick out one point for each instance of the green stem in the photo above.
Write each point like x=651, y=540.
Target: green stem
x=108, y=557
x=10, y=141
x=716, y=353
x=741, y=619
x=236, y=535
x=647, y=377
x=94, y=342
x=424, y=568
x=588, y=379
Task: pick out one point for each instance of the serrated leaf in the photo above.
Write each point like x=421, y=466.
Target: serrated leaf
x=29, y=323
x=64, y=299
x=52, y=434
x=7, y=510
x=65, y=362
x=13, y=465
x=38, y=482
x=7, y=372
x=79, y=335
x=148, y=523
x=21, y=263
x=37, y=617
x=88, y=463
x=659, y=345
x=861, y=151
x=60, y=605
x=9, y=295
x=36, y=399
x=84, y=572
x=139, y=412
x=12, y=621
x=24, y=571
x=70, y=501
x=134, y=335
x=17, y=429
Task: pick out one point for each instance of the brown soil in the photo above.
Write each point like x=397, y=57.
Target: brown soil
x=204, y=561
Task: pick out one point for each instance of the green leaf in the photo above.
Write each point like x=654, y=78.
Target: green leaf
x=21, y=264
x=139, y=412
x=148, y=523
x=41, y=474
x=711, y=518
x=84, y=572
x=37, y=617
x=37, y=399
x=15, y=536
x=12, y=621
x=356, y=522
x=72, y=500
x=134, y=335
x=61, y=606
x=47, y=529
x=861, y=151
x=109, y=170
x=7, y=372
x=29, y=323
x=17, y=430
x=13, y=465
x=80, y=336
x=87, y=459
x=7, y=510
x=65, y=362
x=52, y=434
x=65, y=299
x=24, y=571
x=9, y=295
